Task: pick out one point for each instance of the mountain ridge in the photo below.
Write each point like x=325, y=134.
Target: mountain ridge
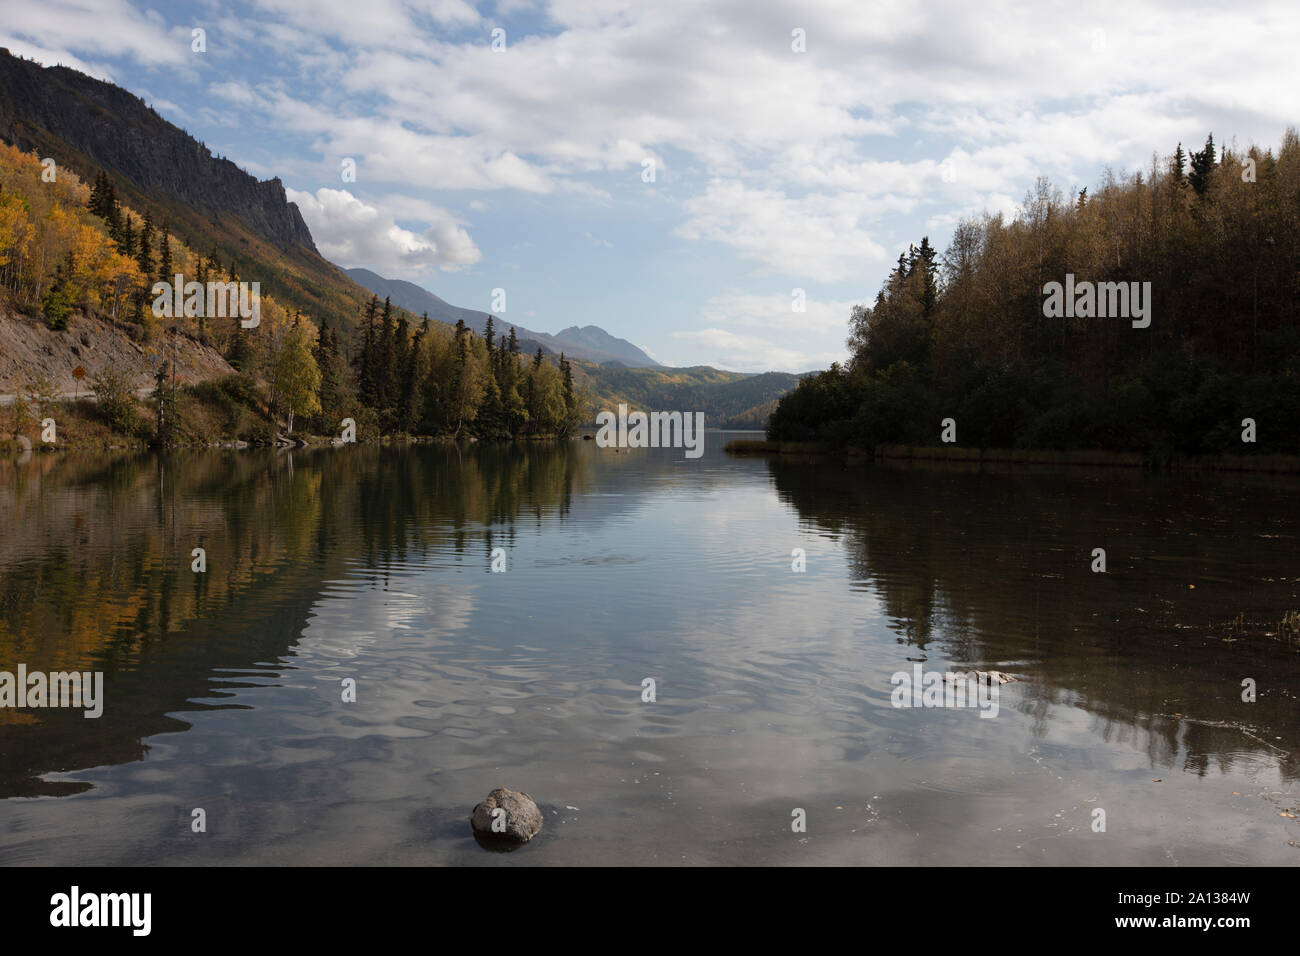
x=247, y=228
x=87, y=124
x=577, y=342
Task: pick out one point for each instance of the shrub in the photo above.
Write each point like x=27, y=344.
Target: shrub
x=117, y=402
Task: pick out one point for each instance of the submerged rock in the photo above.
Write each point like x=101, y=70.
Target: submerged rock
x=519, y=820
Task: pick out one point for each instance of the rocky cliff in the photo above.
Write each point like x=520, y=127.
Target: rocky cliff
x=74, y=118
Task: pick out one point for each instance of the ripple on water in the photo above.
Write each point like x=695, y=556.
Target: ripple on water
x=960, y=773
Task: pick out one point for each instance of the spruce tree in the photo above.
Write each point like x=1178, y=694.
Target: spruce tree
x=165, y=256
x=566, y=370
x=411, y=386
x=100, y=203
x=925, y=257
x=144, y=255
x=400, y=376
x=126, y=241
x=239, y=351
x=460, y=375
x=366, y=358
x=1202, y=166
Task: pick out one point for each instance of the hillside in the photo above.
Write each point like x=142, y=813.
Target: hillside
x=728, y=399
x=158, y=169
x=1207, y=363
x=31, y=352
x=136, y=200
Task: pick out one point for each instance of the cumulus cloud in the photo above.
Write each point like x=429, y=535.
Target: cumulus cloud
x=353, y=233
x=817, y=167
x=108, y=27
x=818, y=236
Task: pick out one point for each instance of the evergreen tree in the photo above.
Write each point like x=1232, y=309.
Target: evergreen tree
x=366, y=358
x=165, y=256
x=126, y=240
x=144, y=255
x=464, y=397
x=101, y=196
x=1202, y=166
x=114, y=220
x=491, y=420
x=410, y=403
x=240, y=351
x=925, y=258
x=384, y=357
x=530, y=391
x=326, y=354
x=566, y=370
x=58, y=301
x=400, y=375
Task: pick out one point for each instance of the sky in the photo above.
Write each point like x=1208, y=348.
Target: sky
x=681, y=173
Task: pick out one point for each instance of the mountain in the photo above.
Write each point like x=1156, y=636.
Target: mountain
x=591, y=342
x=613, y=370
x=728, y=399
x=216, y=212
x=592, y=338
x=211, y=204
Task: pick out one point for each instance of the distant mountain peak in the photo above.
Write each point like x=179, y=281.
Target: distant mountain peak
x=590, y=342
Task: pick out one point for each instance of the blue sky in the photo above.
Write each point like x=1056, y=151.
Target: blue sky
x=523, y=168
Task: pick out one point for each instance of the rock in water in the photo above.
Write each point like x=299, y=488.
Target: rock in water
x=519, y=819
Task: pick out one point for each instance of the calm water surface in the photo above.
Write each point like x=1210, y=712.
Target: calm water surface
x=223, y=689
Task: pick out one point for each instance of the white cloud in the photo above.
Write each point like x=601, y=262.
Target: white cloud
x=776, y=311
x=818, y=236
x=817, y=167
x=352, y=233
x=723, y=348
x=107, y=27
x=770, y=326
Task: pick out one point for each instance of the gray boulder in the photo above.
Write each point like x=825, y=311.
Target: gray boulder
x=522, y=818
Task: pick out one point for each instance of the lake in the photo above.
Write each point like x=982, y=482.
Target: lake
x=772, y=688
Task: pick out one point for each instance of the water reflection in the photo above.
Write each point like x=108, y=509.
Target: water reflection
x=372, y=564
x=995, y=569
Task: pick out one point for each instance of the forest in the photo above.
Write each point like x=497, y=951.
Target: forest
x=965, y=335
x=66, y=247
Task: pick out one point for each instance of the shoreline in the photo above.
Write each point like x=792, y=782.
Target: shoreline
x=11, y=445
x=978, y=457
